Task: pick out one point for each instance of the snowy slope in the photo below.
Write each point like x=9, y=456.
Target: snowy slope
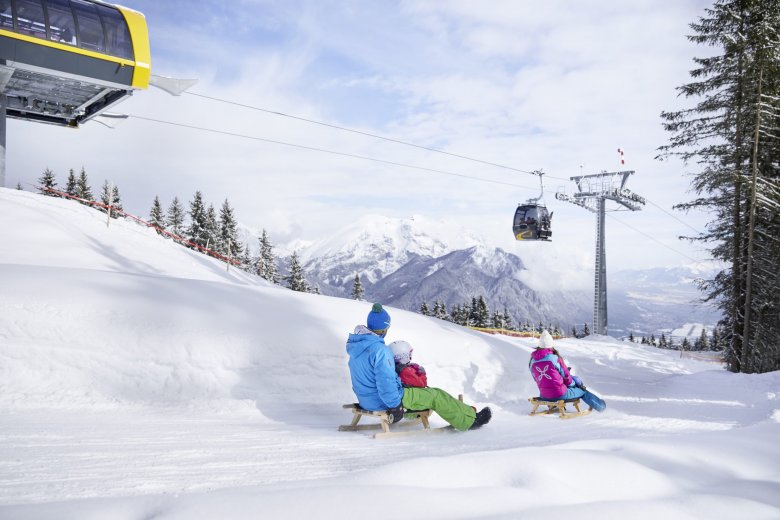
x=139, y=379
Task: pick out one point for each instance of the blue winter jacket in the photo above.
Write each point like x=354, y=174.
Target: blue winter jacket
x=372, y=369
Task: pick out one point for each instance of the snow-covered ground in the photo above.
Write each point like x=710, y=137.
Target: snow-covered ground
x=141, y=380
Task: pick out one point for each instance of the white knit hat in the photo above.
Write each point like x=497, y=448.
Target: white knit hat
x=545, y=340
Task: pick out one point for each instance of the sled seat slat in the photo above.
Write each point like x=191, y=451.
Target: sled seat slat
x=384, y=421
x=557, y=406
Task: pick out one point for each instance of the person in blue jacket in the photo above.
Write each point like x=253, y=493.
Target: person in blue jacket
x=378, y=387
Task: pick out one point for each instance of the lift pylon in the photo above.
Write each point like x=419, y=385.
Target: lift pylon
x=592, y=193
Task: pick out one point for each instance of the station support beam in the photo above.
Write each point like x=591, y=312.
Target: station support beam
x=3, y=102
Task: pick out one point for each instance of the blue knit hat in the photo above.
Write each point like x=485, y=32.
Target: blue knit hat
x=378, y=320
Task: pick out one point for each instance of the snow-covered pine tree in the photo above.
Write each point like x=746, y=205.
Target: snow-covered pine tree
x=19, y=186
x=296, y=279
x=483, y=313
x=442, y=311
x=497, y=320
x=357, y=288
x=228, y=231
x=585, y=330
x=266, y=266
x=424, y=309
x=116, y=202
x=105, y=196
x=156, y=217
x=246, y=263
x=83, y=190
x=71, y=184
x=733, y=134
x=701, y=343
x=197, y=232
x=213, y=239
x=109, y=196
x=716, y=343
x=685, y=345
x=631, y=336
x=574, y=331
x=507, y=319
x=662, y=343
x=175, y=217
x=47, y=182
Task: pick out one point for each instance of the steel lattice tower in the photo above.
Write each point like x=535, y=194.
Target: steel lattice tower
x=592, y=193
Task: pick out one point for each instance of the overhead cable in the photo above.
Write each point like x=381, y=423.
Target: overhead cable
x=324, y=150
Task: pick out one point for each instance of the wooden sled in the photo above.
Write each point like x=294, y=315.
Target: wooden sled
x=558, y=406
x=385, y=424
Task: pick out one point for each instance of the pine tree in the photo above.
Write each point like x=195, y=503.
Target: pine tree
x=483, y=313
x=662, y=343
x=19, y=186
x=156, y=217
x=175, y=217
x=212, y=234
x=685, y=345
x=357, y=288
x=507, y=319
x=47, y=182
x=83, y=190
x=109, y=196
x=715, y=342
x=424, y=309
x=733, y=133
x=72, y=185
x=701, y=343
x=497, y=321
x=246, y=262
x=631, y=336
x=296, y=279
x=574, y=331
x=441, y=311
x=266, y=266
x=585, y=330
x=228, y=231
x=197, y=232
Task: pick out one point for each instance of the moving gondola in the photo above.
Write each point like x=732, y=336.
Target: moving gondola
x=532, y=220
x=66, y=61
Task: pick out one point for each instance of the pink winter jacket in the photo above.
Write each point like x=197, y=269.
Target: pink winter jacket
x=550, y=373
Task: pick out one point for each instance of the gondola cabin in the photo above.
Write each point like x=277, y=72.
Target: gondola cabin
x=532, y=222
x=65, y=61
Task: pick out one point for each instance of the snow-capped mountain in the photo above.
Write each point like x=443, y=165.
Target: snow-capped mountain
x=405, y=262
x=375, y=247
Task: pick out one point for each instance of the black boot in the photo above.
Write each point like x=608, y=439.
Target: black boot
x=483, y=417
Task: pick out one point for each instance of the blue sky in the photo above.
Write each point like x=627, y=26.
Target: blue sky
x=555, y=85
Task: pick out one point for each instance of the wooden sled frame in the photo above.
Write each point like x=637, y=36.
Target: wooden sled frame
x=385, y=422
x=559, y=406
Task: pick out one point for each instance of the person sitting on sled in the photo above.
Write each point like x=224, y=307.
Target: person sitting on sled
x=553, y=378
x=411, y=374
x=378, y=387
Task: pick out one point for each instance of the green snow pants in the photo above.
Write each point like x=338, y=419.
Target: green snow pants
x=460, y=415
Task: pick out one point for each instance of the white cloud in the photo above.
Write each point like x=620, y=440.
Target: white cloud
x=553, y=86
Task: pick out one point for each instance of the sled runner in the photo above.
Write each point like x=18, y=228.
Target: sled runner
x=385, y=424
x=558, y=406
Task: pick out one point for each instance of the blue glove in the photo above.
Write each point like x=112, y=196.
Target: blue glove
x=578, y=382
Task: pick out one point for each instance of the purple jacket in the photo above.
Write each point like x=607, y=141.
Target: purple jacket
x=550, y=373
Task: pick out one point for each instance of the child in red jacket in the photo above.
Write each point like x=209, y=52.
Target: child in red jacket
x=411, y=374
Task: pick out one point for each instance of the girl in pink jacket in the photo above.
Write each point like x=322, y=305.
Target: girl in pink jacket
x=553, y=378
